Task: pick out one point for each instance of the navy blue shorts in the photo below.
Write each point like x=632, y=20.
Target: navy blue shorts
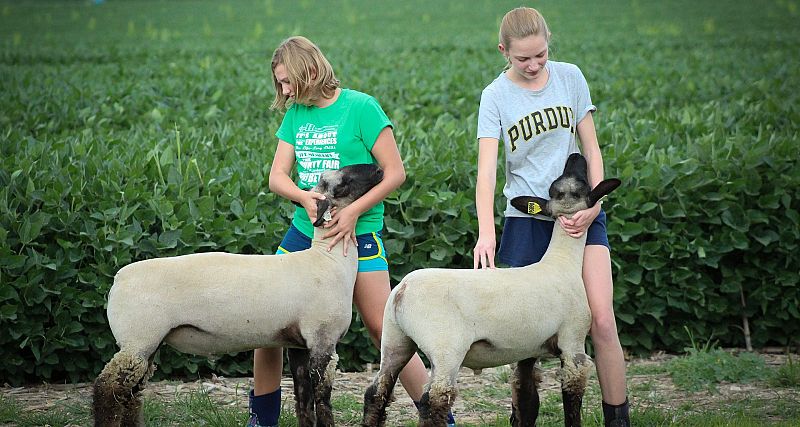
x=371, y=252
x=525, y=240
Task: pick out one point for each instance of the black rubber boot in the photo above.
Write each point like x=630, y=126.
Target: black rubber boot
x=617, y=415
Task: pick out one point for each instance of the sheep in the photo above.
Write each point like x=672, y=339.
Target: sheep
x=212, y=303
x=492, y=317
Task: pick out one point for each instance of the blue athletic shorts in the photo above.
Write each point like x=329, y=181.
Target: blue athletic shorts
x=371, y=252
x=525, y=240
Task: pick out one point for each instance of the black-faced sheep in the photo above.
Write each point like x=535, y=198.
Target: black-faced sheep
x=214, y=303
x=492, y=317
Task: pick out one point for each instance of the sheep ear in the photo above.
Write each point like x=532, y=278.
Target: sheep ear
x=531, y=205
x=576, y=165
x=322, y=208
x=602, y=189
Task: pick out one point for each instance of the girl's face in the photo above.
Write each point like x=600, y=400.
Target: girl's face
x=527, y=57
x=283, y=79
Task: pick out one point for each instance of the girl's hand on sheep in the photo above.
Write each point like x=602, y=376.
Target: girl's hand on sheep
x=483, y=254
x=343, y=226
x=309, y=203
x=580, y=221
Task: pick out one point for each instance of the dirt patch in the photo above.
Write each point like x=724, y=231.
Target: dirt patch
x=482, y=398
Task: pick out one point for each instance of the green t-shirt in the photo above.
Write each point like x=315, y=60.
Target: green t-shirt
x=338, y=135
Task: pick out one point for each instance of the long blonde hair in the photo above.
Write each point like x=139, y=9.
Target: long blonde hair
x=308, y=71
x=520, y=23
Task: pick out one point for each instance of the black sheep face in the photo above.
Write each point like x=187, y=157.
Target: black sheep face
x=342, y=187
x=569, y=193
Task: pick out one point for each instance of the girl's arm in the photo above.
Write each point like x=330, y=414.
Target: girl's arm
x=343, y=224
x=483, y=254
x=590, y=148
x=280, y=180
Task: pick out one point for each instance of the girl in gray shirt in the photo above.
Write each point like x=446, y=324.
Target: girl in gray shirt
x=542, y=111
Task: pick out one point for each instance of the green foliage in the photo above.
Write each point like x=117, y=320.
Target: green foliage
x=702, y=368
x=786, y=375
x=132, y=130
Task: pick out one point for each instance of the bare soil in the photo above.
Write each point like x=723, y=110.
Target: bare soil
x=482, y=398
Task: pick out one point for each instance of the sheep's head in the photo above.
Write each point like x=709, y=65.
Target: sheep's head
x=569, y=193
x=343, y=186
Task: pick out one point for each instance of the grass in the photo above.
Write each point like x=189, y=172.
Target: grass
x=14, y=413
x=704, y=367
x=194, y=408
x=705, y=370
x=787, y=375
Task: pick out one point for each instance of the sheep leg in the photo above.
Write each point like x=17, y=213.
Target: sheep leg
x=525, y=383
x=323, y=370
x=116, y=400
x=441, y=391
x=132, y=413
x=575, y=370
x=395, y=353
x=299, y=359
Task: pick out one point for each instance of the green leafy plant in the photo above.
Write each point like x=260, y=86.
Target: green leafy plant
x=786, y=375
x=703, y=368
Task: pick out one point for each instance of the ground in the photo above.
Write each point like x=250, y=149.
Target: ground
x=482, y=398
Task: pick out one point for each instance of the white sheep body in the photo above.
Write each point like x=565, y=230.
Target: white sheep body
x=515, y=330
x=214, y=303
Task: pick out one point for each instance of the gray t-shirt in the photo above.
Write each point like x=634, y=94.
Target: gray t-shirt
x=538, y=128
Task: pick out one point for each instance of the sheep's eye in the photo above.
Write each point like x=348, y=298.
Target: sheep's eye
x=341, y=191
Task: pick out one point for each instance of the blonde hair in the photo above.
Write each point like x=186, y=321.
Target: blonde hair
x=308, y=71
x=520, y=23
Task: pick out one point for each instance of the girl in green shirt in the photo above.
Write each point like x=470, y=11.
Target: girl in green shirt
x=326, y=127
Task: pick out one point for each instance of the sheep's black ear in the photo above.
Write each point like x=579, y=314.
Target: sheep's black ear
x=576, y=165
x=531, y=205
x=322, y=208
x=603, y=188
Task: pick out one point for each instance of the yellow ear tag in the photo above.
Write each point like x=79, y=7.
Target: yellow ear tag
x=534, y=208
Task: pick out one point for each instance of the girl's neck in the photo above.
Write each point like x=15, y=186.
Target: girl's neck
x=327, y=102
x=531, y=84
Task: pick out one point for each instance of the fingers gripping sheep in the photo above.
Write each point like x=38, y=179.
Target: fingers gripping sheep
x=213, y=303
x=493, y=317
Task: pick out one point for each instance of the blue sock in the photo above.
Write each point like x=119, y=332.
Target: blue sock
x=451, y=420
x=267, y=407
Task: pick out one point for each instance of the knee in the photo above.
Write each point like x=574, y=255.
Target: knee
x=375, y=330
x=604, y=328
